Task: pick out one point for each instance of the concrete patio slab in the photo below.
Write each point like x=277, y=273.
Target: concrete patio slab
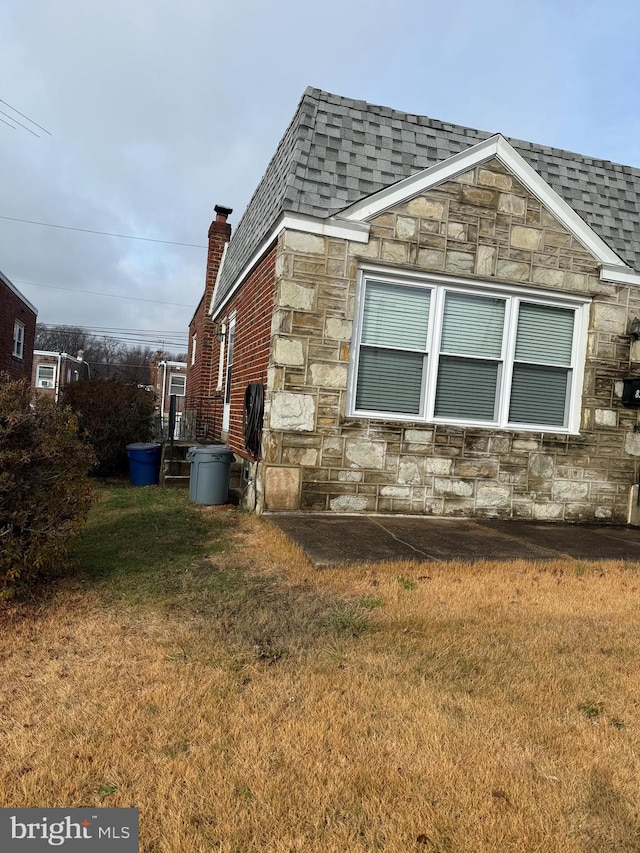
x=338, y=540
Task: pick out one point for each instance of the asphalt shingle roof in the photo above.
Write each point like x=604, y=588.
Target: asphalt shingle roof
x=337, y=151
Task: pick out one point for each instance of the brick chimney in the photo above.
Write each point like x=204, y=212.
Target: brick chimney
x=219, y=236
x=201, y=371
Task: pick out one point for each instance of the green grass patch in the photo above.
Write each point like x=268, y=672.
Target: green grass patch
x=138, y=542
x=153, y=547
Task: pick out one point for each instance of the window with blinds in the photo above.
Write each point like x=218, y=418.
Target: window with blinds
x=439, y=352
x=393, y=351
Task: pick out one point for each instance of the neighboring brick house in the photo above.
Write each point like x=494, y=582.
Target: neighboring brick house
x=53, y=370
x=17, y=331
x=169, y=378
x=441, y=320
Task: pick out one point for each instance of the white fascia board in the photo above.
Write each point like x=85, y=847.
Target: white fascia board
x=619, y=275
x=17, y=293
x=55, y=354
x=496, y=146
x=357, y=232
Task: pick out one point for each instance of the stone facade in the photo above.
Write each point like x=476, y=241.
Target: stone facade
x=482, y=226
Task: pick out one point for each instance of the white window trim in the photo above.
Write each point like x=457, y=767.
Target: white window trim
x=439, y=285
x=40, y=379
x=223, y=337
x=18, y=339
x=173, y=376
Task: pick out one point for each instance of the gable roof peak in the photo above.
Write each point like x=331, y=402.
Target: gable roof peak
x=337, y=151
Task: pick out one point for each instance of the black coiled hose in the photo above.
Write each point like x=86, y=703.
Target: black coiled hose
x=252, y=417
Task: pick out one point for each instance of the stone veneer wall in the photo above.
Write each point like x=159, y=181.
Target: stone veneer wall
x=483, y=226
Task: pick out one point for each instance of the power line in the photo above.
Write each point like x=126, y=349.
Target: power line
x=12, y=126
x=28, y=129
x=103, y=233
x=24, y=116
x=126, y=336
x=98, y=293
x=67, y=326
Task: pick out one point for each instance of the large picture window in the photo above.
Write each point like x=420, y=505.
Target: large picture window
x=452, y=351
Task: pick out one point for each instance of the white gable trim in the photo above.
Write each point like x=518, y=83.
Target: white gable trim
x=498, y=147
x=357, y=232
x=619, y=275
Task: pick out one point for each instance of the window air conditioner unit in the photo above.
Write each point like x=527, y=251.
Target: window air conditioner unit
x=46, y=383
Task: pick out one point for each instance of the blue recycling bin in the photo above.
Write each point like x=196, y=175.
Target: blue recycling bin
x=144, y=463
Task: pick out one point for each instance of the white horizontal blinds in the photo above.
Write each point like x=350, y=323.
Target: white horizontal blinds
x=396, y=316
x=45, y=372
x=471, y=347
x=542, y=367
x=473, y=325
x=545, y=334
x=392, y=359
x=389, y=381
x=467, y=388
x=538, y=395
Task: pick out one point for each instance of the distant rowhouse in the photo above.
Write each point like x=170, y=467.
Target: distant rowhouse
x=17, y=331
x=169, y=379
x=53, y=370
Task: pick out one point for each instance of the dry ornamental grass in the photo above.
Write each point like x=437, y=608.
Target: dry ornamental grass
x=245, y=702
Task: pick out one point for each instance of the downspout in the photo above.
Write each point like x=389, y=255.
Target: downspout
x=58, y=376
x=164, y=385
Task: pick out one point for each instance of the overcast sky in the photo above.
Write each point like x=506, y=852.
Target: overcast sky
x=159, y=110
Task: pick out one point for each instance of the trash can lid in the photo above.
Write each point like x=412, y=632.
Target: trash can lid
x=209, y=450
x=143, y=445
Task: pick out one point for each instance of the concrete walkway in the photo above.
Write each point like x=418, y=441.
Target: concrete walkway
x=337, y=540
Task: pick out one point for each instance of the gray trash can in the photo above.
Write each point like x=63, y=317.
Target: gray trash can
x=210, y=469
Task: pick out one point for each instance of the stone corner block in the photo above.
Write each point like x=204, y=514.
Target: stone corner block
x=301, y=242
x=293, y=295
x=282, y=488
x=294, y=412
x=288, y=351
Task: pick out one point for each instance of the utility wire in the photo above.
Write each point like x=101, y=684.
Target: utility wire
x=103, y=233
x=12, y=126
x=111, y=328
x=28, y=129
x=24, y=116
x=98, y=293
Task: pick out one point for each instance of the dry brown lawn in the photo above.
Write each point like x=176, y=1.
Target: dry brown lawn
x=256, y=704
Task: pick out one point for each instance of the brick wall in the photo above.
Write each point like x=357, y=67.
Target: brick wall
x=484, y=226
x=12, y=308
x=202, y=376
x=253, y=305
